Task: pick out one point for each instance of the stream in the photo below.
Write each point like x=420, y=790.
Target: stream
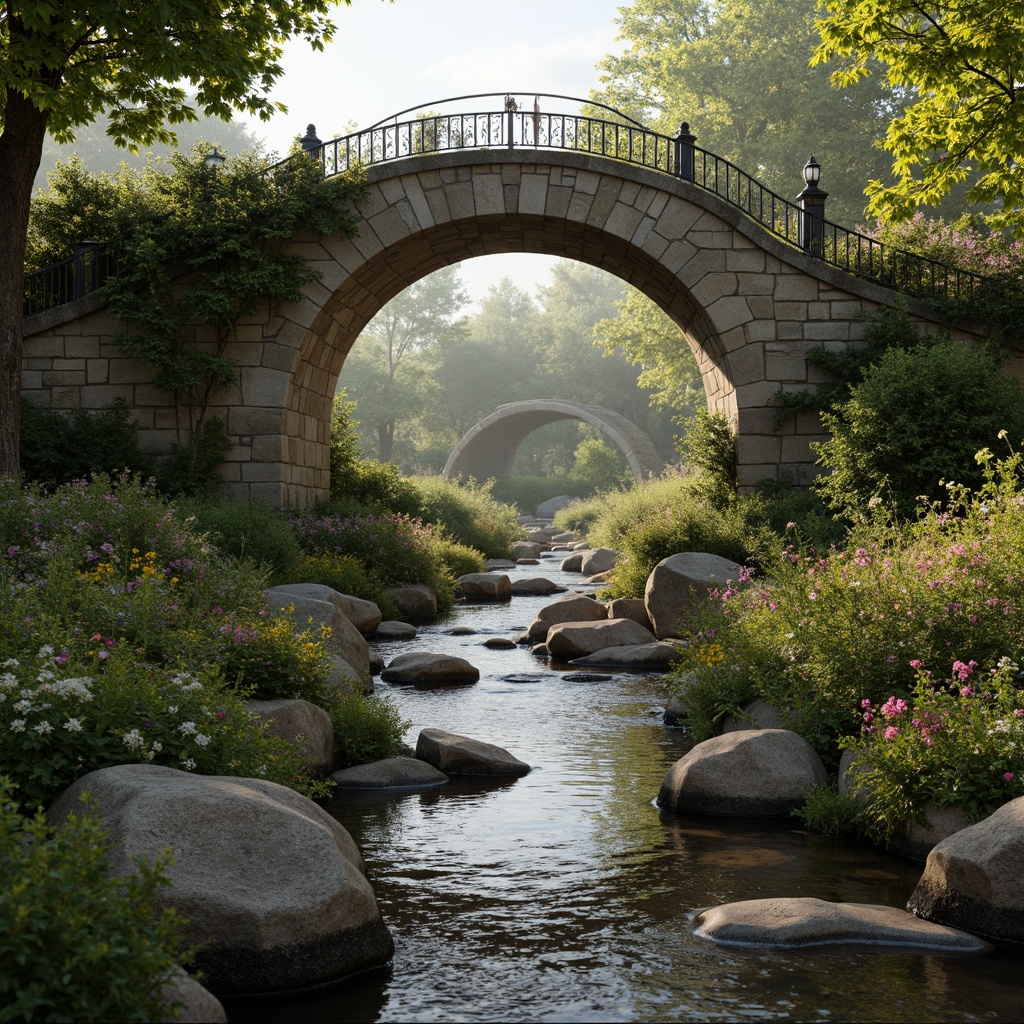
x=566, y=895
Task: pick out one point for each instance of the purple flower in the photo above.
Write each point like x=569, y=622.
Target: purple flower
x=891, y=733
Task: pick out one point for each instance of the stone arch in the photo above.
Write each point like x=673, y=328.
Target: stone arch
x=489, y=448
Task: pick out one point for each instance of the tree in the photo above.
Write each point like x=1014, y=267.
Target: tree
x=959, y=63
x=738, y=71
x=63, y=62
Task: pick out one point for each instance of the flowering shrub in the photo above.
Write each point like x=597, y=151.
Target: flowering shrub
x=76, y=943
x=958, y=741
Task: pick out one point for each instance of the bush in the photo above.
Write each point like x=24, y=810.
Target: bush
x=379, y=485
x=457, y=559
x=917, y=418
x=831, y=813
x=709, y=445
x=347, y=575
x=75, y=943
x=58, y=446
x=527, y=492
x=469, y=515
x=195, y=469
x=243, y=529
x=598, y=464
x=366, y=729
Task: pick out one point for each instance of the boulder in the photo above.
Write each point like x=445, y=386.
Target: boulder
x=564, y=537
x=848, y=772
x=757, y=715
x=376, y=662
x=392, y=630
x=196, y=1004
x=680, y=581
x=570, y=608
x=790, y=921
x=581, y=545
x=916, y=839
x=391, y=773
x=500, y=643
x=569, y=640
x=271, y=888
x=345, y=678
x=526, y=549
x=585, y=677
x=499, y=563
x=345, y=640
x=536, y=585
x=364, y=615
x=484, y=586
x=630, y=608
x=416, y=602
x=654, y=657
x=460, y=755
x=676, y=711
x=462, y=631
x=599, y=560
x=423, y=669
x=300, y=722
x=527, y=561
x=540, y=651
x=546, y=509
x=761, y=772
x=973, y=879
x=574, y=562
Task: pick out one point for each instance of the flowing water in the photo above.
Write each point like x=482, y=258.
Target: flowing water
x=566, y=895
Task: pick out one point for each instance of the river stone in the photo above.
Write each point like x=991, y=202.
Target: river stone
x=565, y=537
x=569, y=608
x=762, y=772
x=345, y=640
x=420, y=668
x=574, y=562
x=462, y=631
x=392, y=630
x=500, y=643
x=527, y=549
x=484, y=586
x=681, y=581
x=804, y=921
x=460, y=755
x=300, y=722
x=536, y=585
x=345, y=678
x=197, y=1005
x=391, y=773
x=630, y=608
x=916, y=839
x=599, y=560
x=540, y=651
x=364, y=615
x=757, y=715
x=656, y=657
x=546, y=509
x=271, y=888
x=376, y=663
x=416, y=602
x=973, y=879
x=500, y=563
x=527, y=561
x=676, y=711
x=586, y=677
x=569, y=640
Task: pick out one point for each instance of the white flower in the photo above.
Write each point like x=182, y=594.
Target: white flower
x=133, y=740
x=202, y=740
x=157, y=746
x=73, y=725
x=22, y=706
x=3, y=696
x=12, y=663
x=45, y=651
x=43, y=728
x=187, y=728
x=194, y=685
x=173, y=709
x=18, y=725
x=188, y=764
x=8, y=681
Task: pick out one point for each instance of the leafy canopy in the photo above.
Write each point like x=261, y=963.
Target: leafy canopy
x=959, y=63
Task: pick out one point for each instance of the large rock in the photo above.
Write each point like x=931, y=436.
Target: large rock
x=570, y=608
x=546, y=509
x=270, y=886
x=757, y=715
x=569, y=640
x=527, y=549
x=345, y=640
x=536, y=585
x=681, y=581
x=600, y=560
x=391, y=773
x=416, y=602
x=764, y=773
x=630, y=608
x=803, y=921
x=484, y=586
x=574, y=562
x=917, y=838
x=460, y=755
x=364, y=615
x=975, y=879
x=392, y=630
x=300, y=722
x=420, y=668
x=654, y=657
x=345, y=678
x=196, y=1004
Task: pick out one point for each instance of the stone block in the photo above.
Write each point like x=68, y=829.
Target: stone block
x=795, y=287
x=750, y=261
x=790, y=310
x=712, y=287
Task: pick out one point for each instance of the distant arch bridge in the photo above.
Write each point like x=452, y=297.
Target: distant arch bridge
x=753, y=281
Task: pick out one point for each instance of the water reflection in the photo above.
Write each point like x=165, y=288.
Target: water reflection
x=566, y=896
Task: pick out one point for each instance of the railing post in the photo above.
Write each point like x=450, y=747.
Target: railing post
x=511, y=107
x=812, y=211
x=684, y=156
x=313, y=146
x=82, y=250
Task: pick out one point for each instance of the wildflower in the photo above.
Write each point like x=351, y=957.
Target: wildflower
x=22, y=706
x=157, y=746
x=893, y=708
x=916, y=663
x=73, y=725
x=18, y=725
x=133, y=740
x=43, y=728
x=201, y=740
x=188, y=764
x=1007, y=776
x=187, y=728
x=891, y=733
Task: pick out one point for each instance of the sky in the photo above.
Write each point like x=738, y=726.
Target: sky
x=386, y=57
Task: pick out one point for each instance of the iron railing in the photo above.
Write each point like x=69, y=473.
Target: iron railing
x=619, y=138
x=73, y=279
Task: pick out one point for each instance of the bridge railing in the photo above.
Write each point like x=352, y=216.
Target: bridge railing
x=617, y=138
x=73, y=279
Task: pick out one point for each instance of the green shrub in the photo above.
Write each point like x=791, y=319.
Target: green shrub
x=194, y=469
x=831, y=813
x=469, y=515
x=581, y=514
x=378, y=485
x=347, y=575
x=366, y=729
x=709, y=445
x=76, y=943
x=243, y=529
x=599, y=464
x=527, y=492
x=58, y=446
x=458, y=559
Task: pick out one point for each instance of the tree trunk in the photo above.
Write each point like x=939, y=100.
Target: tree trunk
x=385, y=439
x=21, y=149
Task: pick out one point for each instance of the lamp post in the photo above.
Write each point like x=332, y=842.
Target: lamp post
x=214, y=161
x=812, y=210
x=309, y=142
x=684, y=162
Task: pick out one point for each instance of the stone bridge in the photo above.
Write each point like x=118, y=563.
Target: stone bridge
x=749, y=306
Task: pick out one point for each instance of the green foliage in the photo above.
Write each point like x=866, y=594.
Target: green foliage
x=347, y=575
x=457, y=559
x=955, y=62
x=831, y=813
x=527, y=492
x=917, y=418
x=366, y=729
x=58, y=446
x=598, y=464
x=242, y=529
x=345, y=451
x=468, y=514
x=376, y=485
x=75, y=942
x=709, y=445
x=194, y=469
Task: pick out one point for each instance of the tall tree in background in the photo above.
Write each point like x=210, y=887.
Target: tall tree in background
x=739, y=72
x=961, y=63
x=63, y=62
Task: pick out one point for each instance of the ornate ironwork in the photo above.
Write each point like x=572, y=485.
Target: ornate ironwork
x=526, y=125
x=64, y=282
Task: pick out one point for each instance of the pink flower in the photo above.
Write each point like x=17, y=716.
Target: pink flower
x=891, y=733
x=1008, y=777
x=966, y=691
x=916, y=663
x=964, y=672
